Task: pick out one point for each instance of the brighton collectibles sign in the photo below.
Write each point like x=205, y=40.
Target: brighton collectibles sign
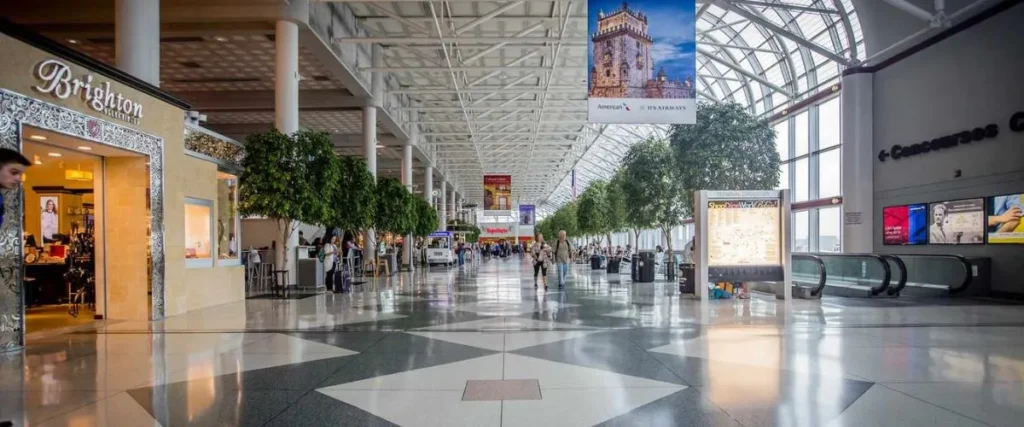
x=949, y=141
x=57, y=81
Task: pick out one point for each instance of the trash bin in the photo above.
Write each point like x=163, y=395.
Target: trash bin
x=613, y=265
x=670, y=269
x=687, y=275
x=634, y=269
x=646, y=267
x=595, y=262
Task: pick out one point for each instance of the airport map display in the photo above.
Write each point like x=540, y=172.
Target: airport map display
x=744, y=233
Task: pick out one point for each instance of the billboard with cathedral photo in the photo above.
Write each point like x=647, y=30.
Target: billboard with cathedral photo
x=643, y=61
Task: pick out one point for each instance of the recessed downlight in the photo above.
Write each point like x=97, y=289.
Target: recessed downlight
x=52, y=154
x=85, y=148
x=37, y=137
x=73, y=41
x=220, y=38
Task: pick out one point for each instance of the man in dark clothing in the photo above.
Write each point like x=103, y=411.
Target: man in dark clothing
x=12, y=167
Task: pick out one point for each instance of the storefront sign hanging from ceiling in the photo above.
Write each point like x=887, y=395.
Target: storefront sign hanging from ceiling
x=57, y=81
x=642, y=58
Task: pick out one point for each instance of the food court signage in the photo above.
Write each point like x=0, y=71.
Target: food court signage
x=982, y=133
x=57, y=80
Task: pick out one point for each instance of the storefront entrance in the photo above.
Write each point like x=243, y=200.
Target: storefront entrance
x=69, y=193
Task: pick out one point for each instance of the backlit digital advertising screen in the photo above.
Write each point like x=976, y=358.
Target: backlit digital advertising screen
x=1004, y=220
x=957, y=222
x=905, y=225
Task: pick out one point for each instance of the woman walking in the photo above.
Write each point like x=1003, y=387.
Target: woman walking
x=330, y=252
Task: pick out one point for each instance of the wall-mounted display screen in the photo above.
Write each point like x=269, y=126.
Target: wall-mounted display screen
x=905, y=225
x=1004, y=220
x=957, y=222
x=744, y=232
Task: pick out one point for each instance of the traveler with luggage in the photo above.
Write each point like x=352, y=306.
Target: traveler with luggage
x=562, y=256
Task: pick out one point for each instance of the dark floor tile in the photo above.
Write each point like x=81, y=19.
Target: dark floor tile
x=350, y=340
x=402, y=357
x=316, y=409
x=685, y=408
x=196, y=404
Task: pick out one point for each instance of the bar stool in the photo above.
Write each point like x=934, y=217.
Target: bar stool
x=266, y=276
x=280, y=283
x=382, y=264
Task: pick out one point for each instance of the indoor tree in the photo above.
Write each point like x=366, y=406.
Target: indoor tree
x=354, y=203
x=285, y=179
x=653, y=193
x=616, y=213
x=426, y=218
x=727, y=149
x=592, y=211
x=394, y=213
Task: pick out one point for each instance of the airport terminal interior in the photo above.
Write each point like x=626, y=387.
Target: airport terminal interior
x=153, y=274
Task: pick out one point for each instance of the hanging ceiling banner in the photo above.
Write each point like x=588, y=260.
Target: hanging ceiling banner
x=527, y=214
x=643, y=62
x=498, y=192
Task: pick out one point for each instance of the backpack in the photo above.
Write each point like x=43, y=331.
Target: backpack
x=321, y=255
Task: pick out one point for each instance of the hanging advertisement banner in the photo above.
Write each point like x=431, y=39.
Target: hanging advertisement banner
x=642, y=58
x=527, y=214
x=498, y=192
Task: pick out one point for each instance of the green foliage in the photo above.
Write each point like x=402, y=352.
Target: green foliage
x=287, y=177
x=592, y=210
x=652, y=193
x=564, y=219
x=355, y=201
x=616, y=197
x=728, y=149
x=394, y=207
x=426, y=218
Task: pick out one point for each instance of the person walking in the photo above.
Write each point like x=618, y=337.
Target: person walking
x=12, y=167
x=540, y=254
x=562, y=256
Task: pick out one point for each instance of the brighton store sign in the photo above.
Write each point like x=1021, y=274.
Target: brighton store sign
x=57, y=81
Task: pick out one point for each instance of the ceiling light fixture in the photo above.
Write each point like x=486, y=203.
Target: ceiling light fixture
x=84, y=148
x=37, y=137
x=53, y=154
x=220, y=38
x=73, y=41
x=37, y=161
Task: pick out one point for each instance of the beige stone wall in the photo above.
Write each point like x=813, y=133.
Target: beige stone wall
x=221, y=284
x=201, y=287
x=127, y=247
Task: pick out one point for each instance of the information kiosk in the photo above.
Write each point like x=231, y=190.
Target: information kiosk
x=743, y=236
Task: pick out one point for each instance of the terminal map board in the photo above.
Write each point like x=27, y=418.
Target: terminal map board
x=744, y=239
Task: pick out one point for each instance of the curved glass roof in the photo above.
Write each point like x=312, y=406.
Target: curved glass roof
x=764, y=55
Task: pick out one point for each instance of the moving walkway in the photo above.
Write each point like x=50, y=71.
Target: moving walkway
x=886, y=275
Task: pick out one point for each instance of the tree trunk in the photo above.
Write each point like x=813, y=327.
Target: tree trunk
x=667, y=233
x=609, y=236
x=284, y=228
x=636, y=240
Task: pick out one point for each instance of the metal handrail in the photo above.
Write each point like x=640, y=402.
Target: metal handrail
x=968, y=270
x=823, y=277
x=885, y=268
x=902, y=283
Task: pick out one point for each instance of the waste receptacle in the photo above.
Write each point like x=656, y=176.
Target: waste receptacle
x=687, y=273
x=613, y=265
x=634, y=268
x=646, y=267
x=595, y=262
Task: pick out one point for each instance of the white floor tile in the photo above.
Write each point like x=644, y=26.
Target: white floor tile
x=579, y=407
x=450, y=377
x=520, y=340
x=503, y=324
x=119, y=410
x=880, y=406
x=281, y=343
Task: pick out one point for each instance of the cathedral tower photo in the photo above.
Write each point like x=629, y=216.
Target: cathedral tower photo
x=623, y=61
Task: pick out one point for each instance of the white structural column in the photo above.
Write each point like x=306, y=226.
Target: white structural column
x=407, y=181
x=137, y=38
x=370, y=136
x=428, y=184
x=286, y=108
x=454, y=199
x=858, y=159
x=442, y=209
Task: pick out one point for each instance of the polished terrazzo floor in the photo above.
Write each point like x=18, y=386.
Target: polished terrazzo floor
x=601, y=352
